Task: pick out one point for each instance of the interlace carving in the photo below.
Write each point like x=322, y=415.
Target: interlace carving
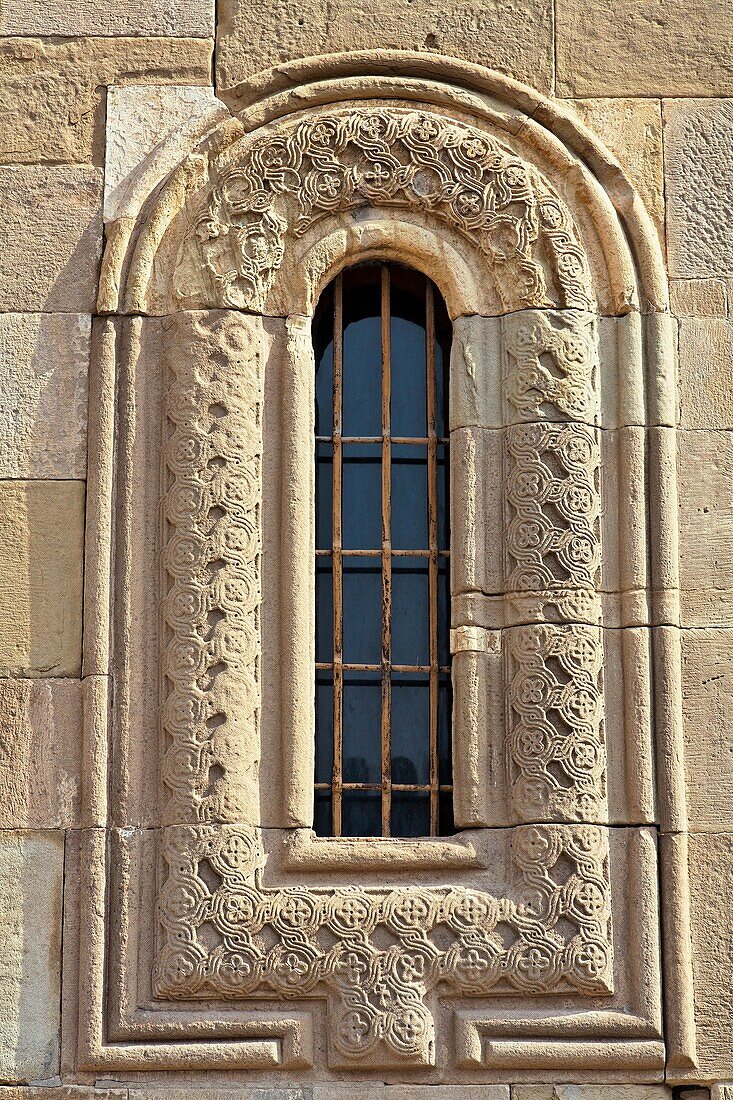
x=377, y=954
x=555, y=736
x=551, y=365
x=211, y=508
x=553, y=507
x=380, y=157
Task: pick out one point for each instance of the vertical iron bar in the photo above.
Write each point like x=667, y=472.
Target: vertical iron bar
x=338, y=619
x=433, y=548
x=386, y=659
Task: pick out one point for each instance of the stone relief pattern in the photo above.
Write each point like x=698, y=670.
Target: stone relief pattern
x=551, y=365
x=376, y=157
x=212, y=459
x=556, y=744
x=377, y=954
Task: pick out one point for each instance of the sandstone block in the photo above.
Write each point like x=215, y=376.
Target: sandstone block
x=707, y=686
x=52, y=90
x=50, y=238
x=698, y=297
x=41, y=550
x=624, y=48
x=43, y=394
x=710, y=864
x=706, y=373
x=698, y=158
x=705, y=476
x=31, y=878
x=183, y=18
x=515, y=38
x=632, y=129
x=140, y=119
x=40, y=751
x=591, y=1092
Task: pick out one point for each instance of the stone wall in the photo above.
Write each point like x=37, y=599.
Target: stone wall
x=86, y=92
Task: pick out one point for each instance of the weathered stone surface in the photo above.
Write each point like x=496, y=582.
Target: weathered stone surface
x=140, y=119
x=707, y=686
x=50, y=238
x=43, y=394
x=710, y=865
x=515, y=38
x=63, y=1092
x=52, y=90
x=31, y=875
x=698, y=167
x=705, y=475
x=698, y=297
x=41, y=550
x=706, y=373
x=627, y=48
x=591, y=1092
x=40, y=751
x=632, y=129
x=194, y=18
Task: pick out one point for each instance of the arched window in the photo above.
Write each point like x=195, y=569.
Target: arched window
x=383, y=690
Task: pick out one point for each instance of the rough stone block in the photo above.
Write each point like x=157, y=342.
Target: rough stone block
x=40, y=751
x=31, y=877
x=632, y=129
x=627, y=48
x=710, y=864
x=43, y=394
x=698, y=167
x=183, y=18
x=591, y=1092
x=706, y=373
x=698, y=297
x=705, y=477
x=707, y=688
x=515, y=38
x=52, y=90
x=140, y=119
x=50, y=238
x=41, y=550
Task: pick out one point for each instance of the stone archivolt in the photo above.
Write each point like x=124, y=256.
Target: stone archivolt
x=342, y=160
x=554, y=936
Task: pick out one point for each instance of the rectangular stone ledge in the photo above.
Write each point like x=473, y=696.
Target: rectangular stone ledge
x=40, y=753
x=50, y=238
x=44, y=361
x=42, y=550
x=31, y=875
x=252, y=37
x=182, y=18
x=52, y=99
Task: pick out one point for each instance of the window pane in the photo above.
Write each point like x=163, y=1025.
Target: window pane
x=443, y=481
x=361, y=496
x=443, y=611
x=362, y=737
x=362, y=610
x=324, y=611
x=410, y=612
x=362, y=367
x=409, y=497
x=362, y=813
x=324, y=496
x=323, y=352
x=445, y=708
x=407, y=332
x=410, y=813
x=324, y=725
x=410, y=728
x=322, y=823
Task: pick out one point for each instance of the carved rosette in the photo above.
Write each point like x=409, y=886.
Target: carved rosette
x=211, y=569
x=340, y=160
x=552, y=935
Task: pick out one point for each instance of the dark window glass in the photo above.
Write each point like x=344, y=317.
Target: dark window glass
x=381, y=338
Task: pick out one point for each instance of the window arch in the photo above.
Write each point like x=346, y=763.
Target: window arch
x=381, y=338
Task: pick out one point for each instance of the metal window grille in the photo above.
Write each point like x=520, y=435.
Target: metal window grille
x=402, y=316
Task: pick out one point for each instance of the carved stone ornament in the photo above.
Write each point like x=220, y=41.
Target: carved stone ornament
x=376, y=157
x=212, y=920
